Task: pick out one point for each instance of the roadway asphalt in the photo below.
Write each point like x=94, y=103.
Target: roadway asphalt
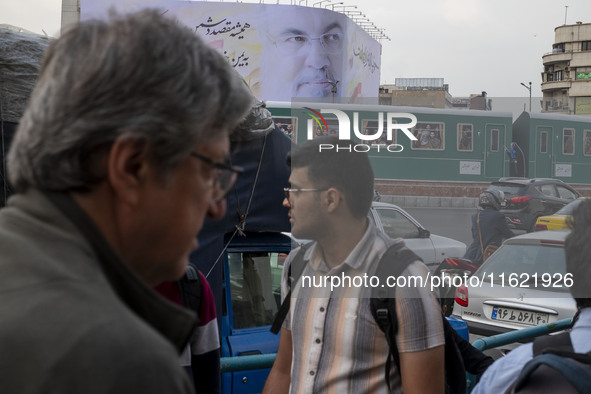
x=448, y=222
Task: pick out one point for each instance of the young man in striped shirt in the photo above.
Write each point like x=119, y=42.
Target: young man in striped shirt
x=330, y=341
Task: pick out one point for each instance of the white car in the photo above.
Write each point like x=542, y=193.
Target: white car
x=396, y=222
x=524, y=283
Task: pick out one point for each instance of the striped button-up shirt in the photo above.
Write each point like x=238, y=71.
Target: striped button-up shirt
x=337, y=345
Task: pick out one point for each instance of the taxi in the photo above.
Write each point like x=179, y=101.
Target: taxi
x=558, y=220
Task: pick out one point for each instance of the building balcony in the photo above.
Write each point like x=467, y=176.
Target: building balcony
x=556, y=85
x=556, y=57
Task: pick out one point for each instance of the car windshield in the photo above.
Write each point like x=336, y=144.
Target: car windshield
x=539, y=266
x=569, y=208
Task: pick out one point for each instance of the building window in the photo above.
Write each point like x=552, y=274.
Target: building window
x=586, y=46
x=544, y=142
x=568, y=141
x=319, y=130
x=558, y=75
x=288, y=125
x=558, y=48
x=549, y=77
x=583, y=72
x=494, y=140
x=370, y=127
x=587, y=143
x=430, y=135
x=465, y=137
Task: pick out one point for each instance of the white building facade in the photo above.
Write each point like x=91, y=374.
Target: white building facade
x=566, y=78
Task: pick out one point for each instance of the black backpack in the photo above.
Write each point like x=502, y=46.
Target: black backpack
x=383, y=308
x=554, y=368
x=190, y=289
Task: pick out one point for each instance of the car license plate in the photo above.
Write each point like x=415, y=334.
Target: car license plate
x=519, y=316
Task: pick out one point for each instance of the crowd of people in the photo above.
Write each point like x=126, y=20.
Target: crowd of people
x=120, y=156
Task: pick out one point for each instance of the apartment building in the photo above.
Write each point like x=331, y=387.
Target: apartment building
x=416, y=92
x=566, y=79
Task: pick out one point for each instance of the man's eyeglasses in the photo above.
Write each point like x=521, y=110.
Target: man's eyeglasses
x=295, y=192
x=225, y=178
x=287, y=44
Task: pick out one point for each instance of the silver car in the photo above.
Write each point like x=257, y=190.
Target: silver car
x=396, y=222
x=524, y=283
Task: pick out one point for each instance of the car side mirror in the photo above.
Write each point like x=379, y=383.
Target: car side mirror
x=423, y=233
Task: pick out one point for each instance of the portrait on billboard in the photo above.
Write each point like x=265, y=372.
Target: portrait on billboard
x=283, y=52
x=302, y=52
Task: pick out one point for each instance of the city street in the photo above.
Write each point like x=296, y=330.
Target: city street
x=448, y=222
x=453, y=223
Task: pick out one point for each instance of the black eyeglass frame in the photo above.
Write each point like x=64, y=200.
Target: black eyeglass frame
x=234, y=171
x=219, y=165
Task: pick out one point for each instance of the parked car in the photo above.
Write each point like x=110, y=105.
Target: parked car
x=528, y=199
x=522, y=284
x=558, y=220
x=396, y=222
x=252, y=286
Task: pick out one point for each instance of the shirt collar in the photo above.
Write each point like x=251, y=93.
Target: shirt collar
x=356, y=258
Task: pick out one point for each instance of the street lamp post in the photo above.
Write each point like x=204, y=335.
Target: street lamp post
x=528, y=88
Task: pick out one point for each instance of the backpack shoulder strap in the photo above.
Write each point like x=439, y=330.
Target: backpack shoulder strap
x=576, y=374
x=190, y=289
x=295, y=270
x=557, y=353
x=383, y=302
x=480, y=233
x=545, y=343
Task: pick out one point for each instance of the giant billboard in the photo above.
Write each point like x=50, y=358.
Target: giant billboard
x=284, y=52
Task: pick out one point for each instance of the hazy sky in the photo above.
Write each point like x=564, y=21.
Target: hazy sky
x=475, y=45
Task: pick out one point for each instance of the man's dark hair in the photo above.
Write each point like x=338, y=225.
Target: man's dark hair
x=578, y=253
x=340, y=167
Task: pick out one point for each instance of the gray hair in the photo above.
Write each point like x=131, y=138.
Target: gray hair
x=142, y=76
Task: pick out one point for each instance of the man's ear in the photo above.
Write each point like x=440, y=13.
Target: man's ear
x=127, y=167
x=333, y=199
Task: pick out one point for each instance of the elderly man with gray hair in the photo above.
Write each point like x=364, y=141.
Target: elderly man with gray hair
x=119, y=157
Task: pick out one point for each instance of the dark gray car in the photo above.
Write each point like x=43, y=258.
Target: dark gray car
x=528, y=199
